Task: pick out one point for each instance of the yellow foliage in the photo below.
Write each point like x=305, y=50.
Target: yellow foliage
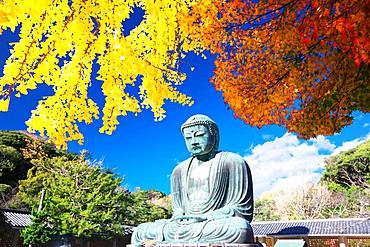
x=81, y=33
x=4, y=104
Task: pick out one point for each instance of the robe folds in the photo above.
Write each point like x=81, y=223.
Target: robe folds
x=227, y=211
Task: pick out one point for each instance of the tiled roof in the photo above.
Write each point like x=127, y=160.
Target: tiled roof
x=16, y=218
x=20, y=219
x=359, y=226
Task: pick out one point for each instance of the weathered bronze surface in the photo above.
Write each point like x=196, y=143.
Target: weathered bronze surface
x=212, y=195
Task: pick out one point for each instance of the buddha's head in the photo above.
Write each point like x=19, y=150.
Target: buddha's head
x=201, y=136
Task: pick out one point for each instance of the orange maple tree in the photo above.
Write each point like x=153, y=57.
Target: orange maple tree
x=301, y=64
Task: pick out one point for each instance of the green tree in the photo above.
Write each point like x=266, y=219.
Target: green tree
x=348, y=174
x=147, y=206
x=265, y=210
x=13, y=165
x=350, y=169
x=17, y=150
x=81, y=199
x=9, y=158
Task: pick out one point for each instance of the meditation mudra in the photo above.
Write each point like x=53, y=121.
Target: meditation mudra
x=212, y=195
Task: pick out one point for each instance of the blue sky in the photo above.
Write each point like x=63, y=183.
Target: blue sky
x=145, y=151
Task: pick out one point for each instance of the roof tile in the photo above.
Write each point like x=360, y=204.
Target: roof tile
x=313, y=227
x=16, y=218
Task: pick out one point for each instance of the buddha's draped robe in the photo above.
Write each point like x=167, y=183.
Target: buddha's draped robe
x=228, y=208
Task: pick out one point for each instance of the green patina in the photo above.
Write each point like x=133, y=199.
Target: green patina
x=212, y=195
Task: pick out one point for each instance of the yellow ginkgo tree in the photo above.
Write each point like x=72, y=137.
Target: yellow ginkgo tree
x=60, y=40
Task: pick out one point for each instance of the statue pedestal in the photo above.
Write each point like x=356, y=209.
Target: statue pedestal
x=200, y=245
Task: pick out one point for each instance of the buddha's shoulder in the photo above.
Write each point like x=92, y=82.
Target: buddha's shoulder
x=231, y=156
x=182, y=165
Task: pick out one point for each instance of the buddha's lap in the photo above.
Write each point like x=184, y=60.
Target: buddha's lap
x=231, y=223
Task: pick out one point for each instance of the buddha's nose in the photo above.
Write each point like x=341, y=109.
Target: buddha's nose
x=194, y=142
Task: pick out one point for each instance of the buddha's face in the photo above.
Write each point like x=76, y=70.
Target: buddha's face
x=198, y=140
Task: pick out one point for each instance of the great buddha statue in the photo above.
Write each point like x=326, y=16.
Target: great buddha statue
x=212, y=194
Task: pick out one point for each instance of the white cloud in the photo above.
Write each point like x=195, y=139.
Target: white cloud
x=350, y=144
x=366, y=125
x=322, y=143
x=287, y=161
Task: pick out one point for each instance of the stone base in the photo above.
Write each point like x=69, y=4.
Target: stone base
x=201, y=245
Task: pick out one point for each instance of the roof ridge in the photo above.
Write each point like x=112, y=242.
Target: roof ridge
x=14, y=210
x=310, y=220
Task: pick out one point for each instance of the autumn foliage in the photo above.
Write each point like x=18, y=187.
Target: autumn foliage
x=60, y=40
x=301, y=64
